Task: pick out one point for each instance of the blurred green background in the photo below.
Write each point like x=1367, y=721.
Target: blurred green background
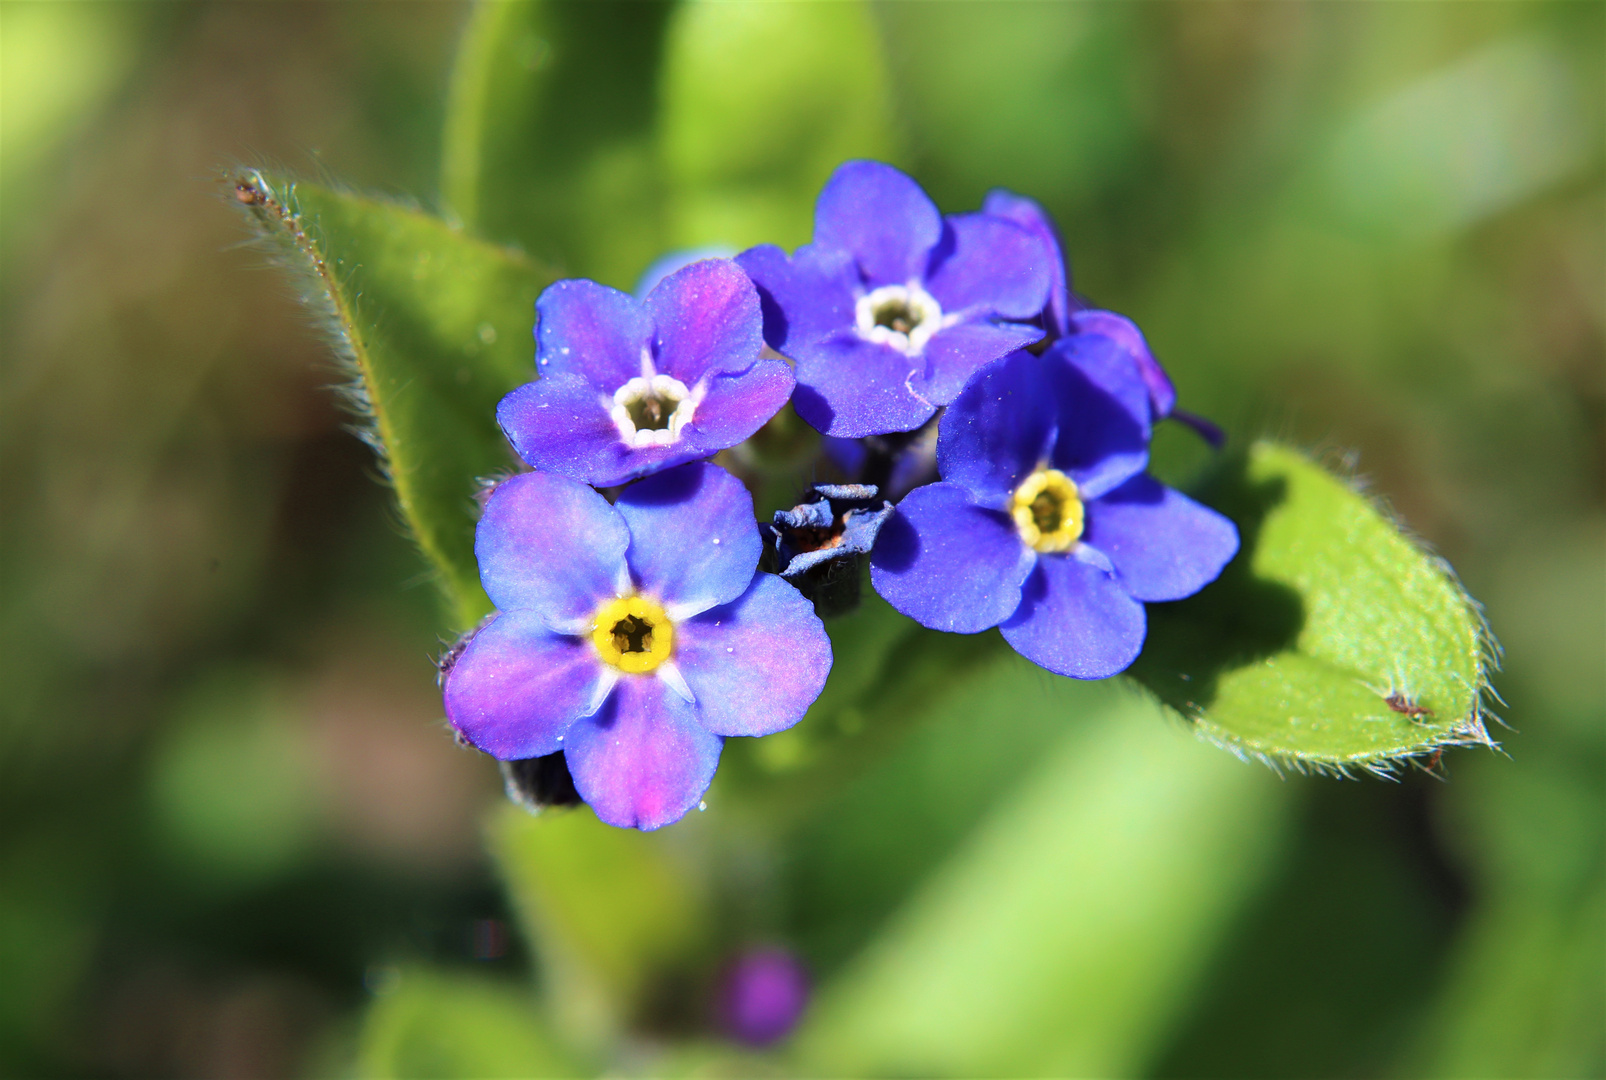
x=237, y=840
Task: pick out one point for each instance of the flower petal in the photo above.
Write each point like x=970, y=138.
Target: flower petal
x=591, y=330
x=1076, y=620
x=1124, y=332
x=551, y=546
x=803, y=298
x=999, y=430
x=517, y=687
x=949, y=564
x=1103, y=437
x=1028, y=214
x=882, y=217
x=986, y=266
x=563, y=424
x=706, y=320
x=1164, y=545
x=955, y=354
x=643, y=760
x=850, y=388
x=756, y=664
x=693, y=540
x=735, y=406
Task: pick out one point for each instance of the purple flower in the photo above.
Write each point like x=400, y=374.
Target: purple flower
x=629, y=386
x=1067, y=314
x=635, y=638
x=1045, y=524
x=762, y=995
x=893, y=306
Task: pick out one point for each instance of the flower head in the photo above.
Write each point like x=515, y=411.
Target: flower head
x=893, y=306
x=1045, y=524
x=631, y=386
x=634, y=638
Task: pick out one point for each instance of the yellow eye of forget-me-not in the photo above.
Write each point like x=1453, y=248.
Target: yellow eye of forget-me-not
x=633, y=634
x=1048, y=511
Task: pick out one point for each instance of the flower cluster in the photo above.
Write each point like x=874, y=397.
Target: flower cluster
x=948, y=365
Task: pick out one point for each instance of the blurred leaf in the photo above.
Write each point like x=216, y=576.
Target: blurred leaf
x=1327, y=611
x=548, y=139
x=435, y=328
x=1466, y=142
x=435, y=1026
x=609, y=911
x=760, y=103
x=1062, y=936
x=231, y=782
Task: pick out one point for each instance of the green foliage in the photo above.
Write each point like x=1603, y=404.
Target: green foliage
x=1049, y=940
x=436, y=328
x=1326, y=613
x=760, y=103
x=549, y=133
x=610, y=912
x=431, y=1025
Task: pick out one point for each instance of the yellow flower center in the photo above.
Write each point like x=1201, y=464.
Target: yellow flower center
x=1048, y=511
x=633, y=634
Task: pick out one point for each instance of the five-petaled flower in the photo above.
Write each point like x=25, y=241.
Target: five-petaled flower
x=1045, y=524
x=631, y=386
x=893, y=307
x=635, y=637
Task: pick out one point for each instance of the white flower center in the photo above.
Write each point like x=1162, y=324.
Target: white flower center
x=650, y=410
x=902, y=316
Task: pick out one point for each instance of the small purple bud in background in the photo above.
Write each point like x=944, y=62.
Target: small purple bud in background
x=761, y=996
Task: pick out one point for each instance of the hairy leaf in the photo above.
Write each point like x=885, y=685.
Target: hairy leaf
x=1331, y=641
x=435, y=327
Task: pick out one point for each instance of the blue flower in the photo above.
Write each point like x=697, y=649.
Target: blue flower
x=1068, y=315
x=893, y=307
x=635, y=638
x=1045, y=524
x=628, y=386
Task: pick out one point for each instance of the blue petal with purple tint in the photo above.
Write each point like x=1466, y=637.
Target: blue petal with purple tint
x=591, y=330
x=643, y=760
x=756, y=664
x=550, y=546
x=693, y=540
x=1163, y=545
x=1075, y=619
x=517, y=687
x=949, y=564
x=999, y=430
x=882, y=217
x=987, y=266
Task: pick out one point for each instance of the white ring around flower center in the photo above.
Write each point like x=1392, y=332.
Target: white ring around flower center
x=670, y=394
x=916, y=312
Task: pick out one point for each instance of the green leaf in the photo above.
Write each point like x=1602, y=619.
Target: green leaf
x=549, y=133
x=1328, y=611
x=435, y=327
x=1063, y=934
x=428, y=1025
x=760, y=103
x=612, y=913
